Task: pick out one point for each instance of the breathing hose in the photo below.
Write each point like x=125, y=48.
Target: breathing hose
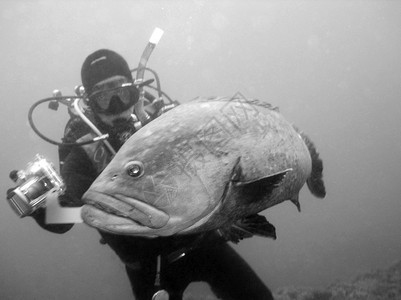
x=100, y=136
x=60, y=99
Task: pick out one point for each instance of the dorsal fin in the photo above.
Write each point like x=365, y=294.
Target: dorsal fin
x=238, y=97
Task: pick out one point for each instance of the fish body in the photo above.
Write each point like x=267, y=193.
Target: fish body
x=211, y=163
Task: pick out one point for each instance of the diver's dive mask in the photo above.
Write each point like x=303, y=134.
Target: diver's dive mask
x=113, y=96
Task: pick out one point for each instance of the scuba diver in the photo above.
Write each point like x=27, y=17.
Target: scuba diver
x=158, y=268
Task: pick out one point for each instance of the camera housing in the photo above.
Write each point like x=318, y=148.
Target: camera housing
x=35, y=183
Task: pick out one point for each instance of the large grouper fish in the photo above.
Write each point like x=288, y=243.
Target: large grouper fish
x=208, y=164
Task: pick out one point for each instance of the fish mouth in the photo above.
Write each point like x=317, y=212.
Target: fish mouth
x=120, y=213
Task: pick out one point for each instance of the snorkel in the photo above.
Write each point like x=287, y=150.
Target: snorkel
x=140, y=112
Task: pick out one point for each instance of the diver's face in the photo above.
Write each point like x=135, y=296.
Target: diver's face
x=112, y=102
x=118, y=119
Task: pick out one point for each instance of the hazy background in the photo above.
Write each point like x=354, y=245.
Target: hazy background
x=333, y=68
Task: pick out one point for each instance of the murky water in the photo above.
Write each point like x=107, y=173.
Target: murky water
x=332, y=67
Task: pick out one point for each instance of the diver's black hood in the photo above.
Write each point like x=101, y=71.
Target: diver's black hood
x=103, y=64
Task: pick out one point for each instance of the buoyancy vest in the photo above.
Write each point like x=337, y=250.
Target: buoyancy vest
x=98, y=153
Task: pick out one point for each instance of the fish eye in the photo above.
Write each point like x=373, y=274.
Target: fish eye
x=135, y=169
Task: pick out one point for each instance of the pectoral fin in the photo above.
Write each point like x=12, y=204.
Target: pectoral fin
x=263, y=187
x=255, y=188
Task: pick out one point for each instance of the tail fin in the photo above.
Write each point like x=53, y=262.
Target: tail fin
x=315, y=181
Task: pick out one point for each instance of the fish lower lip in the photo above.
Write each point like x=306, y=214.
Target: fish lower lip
x=127, y=207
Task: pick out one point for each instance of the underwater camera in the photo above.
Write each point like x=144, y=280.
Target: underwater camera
x=35, y=183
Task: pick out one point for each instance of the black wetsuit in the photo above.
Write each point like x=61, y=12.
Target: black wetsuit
x=207, y=257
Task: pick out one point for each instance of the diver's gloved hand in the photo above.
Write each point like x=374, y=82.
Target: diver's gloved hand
x=39, y=215
x=10, y=190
